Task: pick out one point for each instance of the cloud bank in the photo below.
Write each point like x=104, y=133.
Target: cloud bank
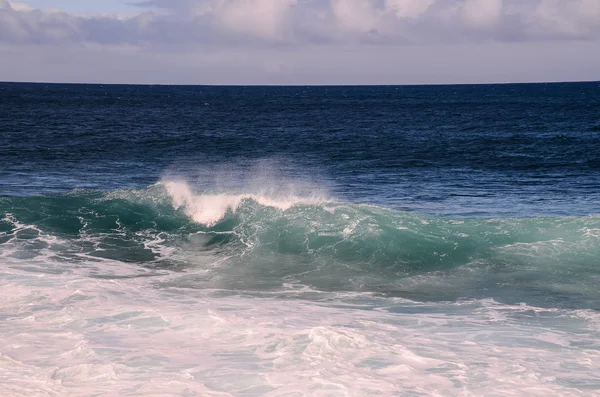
x=309, y=22
x=305, y=42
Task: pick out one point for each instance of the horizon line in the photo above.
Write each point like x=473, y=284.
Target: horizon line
x=302, y=85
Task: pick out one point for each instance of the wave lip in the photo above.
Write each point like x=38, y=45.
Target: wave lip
x=208, y=209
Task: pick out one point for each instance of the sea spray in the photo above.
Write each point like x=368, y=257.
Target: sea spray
x=208, y=209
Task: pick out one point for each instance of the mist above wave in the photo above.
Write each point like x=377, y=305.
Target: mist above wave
x=210, y=208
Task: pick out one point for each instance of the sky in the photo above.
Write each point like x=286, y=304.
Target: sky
x=299, y=41
x=84, y=7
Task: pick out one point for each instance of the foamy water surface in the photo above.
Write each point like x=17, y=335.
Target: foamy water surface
x=72, y=335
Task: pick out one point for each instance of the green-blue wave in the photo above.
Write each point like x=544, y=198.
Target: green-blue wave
x=326, y=245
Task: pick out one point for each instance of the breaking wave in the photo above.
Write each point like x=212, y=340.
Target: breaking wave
x=256, y=241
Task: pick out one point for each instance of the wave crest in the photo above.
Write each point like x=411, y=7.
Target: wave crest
x=208, y=209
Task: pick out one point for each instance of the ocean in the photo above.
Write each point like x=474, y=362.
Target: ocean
x=300, y=241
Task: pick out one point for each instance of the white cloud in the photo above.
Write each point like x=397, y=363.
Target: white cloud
x=354, y=15
x=482, y=13
x=408, y=8
x=575, y=18
x=591, y=8
x=20, y=6
x=261, y=18
x=307, y=22
x=11, y=26
x=306, y=42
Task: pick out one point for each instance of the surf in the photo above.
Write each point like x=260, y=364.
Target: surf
x=253, y=241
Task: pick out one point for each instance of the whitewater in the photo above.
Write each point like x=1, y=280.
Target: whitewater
x=169, y=291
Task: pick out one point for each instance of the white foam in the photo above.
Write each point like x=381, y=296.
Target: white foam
x=208, y=209
x=72, y=335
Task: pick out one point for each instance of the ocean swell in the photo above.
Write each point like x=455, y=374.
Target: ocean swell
x=251, y=241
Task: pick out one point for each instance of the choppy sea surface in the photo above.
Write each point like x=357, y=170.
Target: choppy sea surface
x=300, y=241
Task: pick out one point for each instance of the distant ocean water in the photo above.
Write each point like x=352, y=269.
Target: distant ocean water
x=300, y=241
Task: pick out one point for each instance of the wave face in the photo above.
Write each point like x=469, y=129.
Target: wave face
x=258, y=242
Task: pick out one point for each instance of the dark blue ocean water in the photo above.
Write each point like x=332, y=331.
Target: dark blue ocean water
x=471, y=150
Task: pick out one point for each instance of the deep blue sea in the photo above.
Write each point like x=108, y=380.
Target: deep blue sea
x=300, y=241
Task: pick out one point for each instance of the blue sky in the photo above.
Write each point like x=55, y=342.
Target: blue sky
x=300, y=41
x=84, y=6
